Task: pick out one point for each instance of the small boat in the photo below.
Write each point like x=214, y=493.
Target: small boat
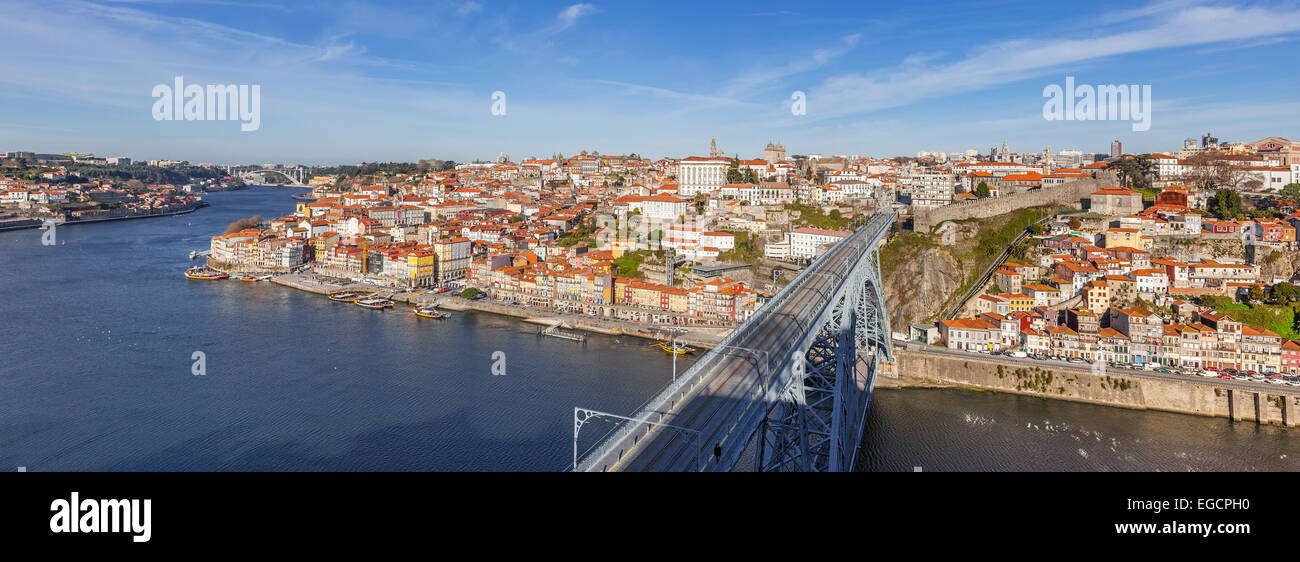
x=202, y=274
x=343, y=297
x=249, y=277
x=429, y=312
x=675, y=350
x=374, y=303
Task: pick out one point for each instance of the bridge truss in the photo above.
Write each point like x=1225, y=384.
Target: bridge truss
x=816, y=424
x=790, y=386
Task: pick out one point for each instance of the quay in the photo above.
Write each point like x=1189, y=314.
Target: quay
x=702, y=336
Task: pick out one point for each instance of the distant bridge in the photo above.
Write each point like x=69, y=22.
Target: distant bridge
x=295, y=175
x=789, y=388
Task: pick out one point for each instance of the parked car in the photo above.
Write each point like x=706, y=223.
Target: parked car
x=1019, y=354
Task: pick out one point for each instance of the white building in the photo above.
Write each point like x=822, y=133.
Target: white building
x=806, y=242
x=697, y=174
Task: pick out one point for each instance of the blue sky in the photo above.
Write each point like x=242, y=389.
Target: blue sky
x=345, y=82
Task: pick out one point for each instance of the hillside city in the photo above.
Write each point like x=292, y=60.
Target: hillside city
x=706, y=240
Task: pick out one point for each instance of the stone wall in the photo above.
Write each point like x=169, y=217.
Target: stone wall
x=1118, y=387
x=1070, y=193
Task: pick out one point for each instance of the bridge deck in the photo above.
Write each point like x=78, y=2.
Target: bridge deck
x=725, y=394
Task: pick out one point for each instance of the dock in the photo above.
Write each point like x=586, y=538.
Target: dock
x=555, y=332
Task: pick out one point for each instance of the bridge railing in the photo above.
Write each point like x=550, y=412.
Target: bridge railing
x=655, y=409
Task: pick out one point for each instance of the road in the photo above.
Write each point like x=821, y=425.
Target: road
x=1119, y=372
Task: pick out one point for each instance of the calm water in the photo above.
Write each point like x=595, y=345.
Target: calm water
x=97, y=338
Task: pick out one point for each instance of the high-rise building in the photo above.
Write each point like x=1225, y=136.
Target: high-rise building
x=1116, y=148
x=1209, y=140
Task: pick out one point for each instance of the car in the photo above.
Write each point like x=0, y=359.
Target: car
x=1294, y=383
x=1209, y=373
x=1019, y=354
x=1238, y=377
x=1276, y=381
x=1225, y=377
x=1076, y=360
x=1163, y=370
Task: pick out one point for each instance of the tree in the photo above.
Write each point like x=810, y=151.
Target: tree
x=1255, y=294
x=1075, y=223
x=1291, y=191
x=1284, y=293
x=469, y=293
x=1212, y=169
x=733, y=172
x=1226, y=204
x=1135, y=172
x=982, y=190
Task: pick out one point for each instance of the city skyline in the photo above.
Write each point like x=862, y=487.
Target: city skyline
x=342, y=85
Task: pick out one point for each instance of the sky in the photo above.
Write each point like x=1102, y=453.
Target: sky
x=344, y=82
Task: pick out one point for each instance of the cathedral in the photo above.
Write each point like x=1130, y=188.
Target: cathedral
x=774, y=153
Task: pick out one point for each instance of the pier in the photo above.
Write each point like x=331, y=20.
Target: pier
x=555, y=332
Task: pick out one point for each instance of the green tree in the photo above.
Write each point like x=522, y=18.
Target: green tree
x=1135, y=171
x=1291, y=191
x=1255, y=294
x=982, y=190
x=1284, y=293
x=1226, y=204
x=469, y=293
x=733, y=172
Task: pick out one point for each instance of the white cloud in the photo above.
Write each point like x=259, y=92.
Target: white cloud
x=1012, y=61
x=568, y=17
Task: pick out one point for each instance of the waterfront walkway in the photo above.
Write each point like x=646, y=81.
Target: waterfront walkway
x=705, y=335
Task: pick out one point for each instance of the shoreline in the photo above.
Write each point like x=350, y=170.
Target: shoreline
x=40, y=222
x=704, y=338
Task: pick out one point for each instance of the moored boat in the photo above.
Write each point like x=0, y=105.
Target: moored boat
x=247, y=277
x=344, y=296
x=374, y=303
x=429, y=312
x=675, y=350
x=204, y=274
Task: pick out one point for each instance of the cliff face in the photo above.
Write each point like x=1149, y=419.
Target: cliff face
x=920, y=276
x=917, y=288
x=1188, y=250
x=1277, y=264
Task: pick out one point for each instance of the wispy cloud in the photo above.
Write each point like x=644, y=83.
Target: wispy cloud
x=1016, y=60
x=568, y=17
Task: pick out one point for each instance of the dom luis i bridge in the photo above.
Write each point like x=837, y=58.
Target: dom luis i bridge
x=787, y=390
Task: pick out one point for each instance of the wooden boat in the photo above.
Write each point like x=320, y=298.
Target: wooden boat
x=203, y=274
x=374, y=303
x=343, y=297
x=430, y=312
x=248, y=277
x=675, y=350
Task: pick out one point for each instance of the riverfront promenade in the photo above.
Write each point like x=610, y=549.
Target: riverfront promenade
x=705, y=336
